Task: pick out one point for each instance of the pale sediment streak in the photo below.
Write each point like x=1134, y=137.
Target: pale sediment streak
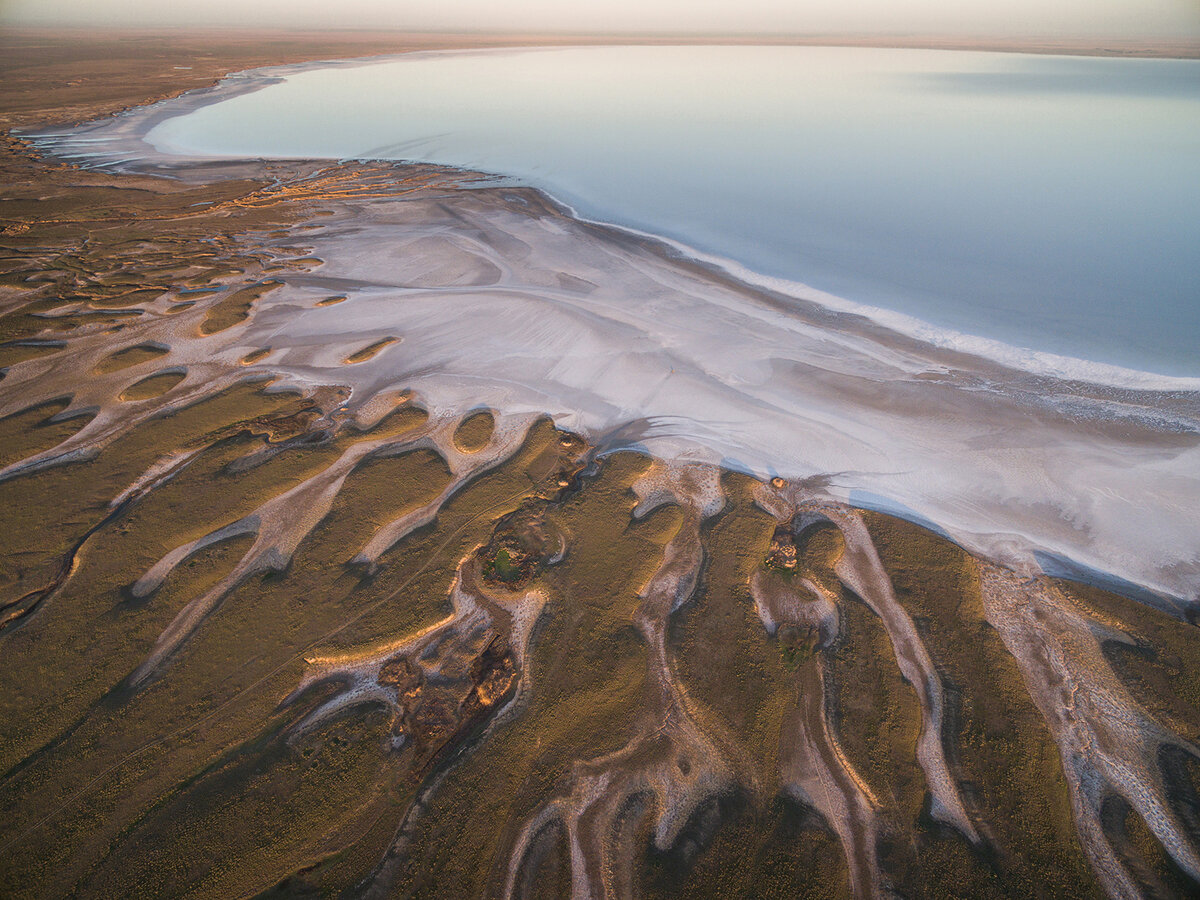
x=860, y=569
x=675, y=762
x=813, y=766
x=1109, y=744
x=280, y=524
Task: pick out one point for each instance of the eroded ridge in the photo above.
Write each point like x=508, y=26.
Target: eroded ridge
x=442, y=680
x=813, y=767
x=674, y=765
x=506, y=439
x=280, y=524
x=161, y=355
x=456, y=678
x=108, y=421
x=1109, y=744
x=191, y=367
x=860, y=569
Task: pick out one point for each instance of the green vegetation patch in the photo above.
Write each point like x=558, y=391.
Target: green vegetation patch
x=154, y=386
x=130, y=356
x=474, y=432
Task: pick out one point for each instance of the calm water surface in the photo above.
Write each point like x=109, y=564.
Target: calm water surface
x=1047, y=202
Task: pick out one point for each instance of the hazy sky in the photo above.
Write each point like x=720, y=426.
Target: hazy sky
x=1130, y=19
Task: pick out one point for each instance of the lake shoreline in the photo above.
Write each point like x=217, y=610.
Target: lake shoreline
x=883, y=406
x=315, y=573
x=985, y=253
x=120, y=144
x=1142, y=416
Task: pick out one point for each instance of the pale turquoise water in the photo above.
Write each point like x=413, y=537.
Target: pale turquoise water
x=1046, y=202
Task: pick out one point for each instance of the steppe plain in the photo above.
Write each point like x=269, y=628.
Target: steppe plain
x=267, y=642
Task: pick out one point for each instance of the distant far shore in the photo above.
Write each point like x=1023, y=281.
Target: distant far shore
x=408, y=40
